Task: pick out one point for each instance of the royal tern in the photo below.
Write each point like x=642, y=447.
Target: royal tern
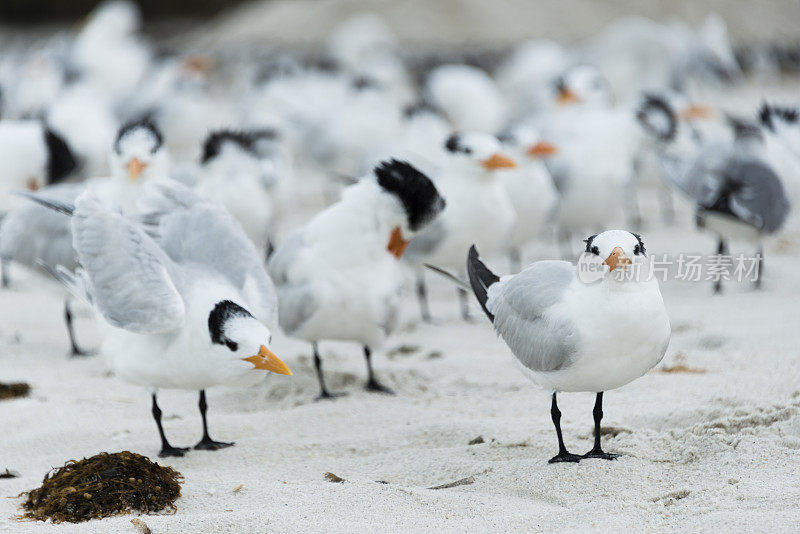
x=529, y=187
x=338, y=277
x=183, y=291
x=571, y=335
x=478, y=210
x=35, y=237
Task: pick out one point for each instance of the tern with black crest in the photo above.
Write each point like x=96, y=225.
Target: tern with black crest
x=572, y=334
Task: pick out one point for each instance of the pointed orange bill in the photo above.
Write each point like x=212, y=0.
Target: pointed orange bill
x=135, y=168
x=498, y=161
x=269, y=362
x=32, y=184
x=566, y=97
x=695, y=111
x=397, y=245
x=542, y=149
x=617, y=258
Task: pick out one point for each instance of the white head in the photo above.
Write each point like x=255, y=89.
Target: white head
x=527, y=140
x=583, y=84
x=477, y=152
x=139, y=153
x=616, y=248
x=233, y=330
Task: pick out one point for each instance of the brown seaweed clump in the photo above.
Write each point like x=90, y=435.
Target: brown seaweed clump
x=13, y=391
x=102, y=486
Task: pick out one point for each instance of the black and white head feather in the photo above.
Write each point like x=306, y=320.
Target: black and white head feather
x=219, y=318
x=769, y=115
x=60, y=159
x=657, y=117
x=454, y=145
x=415, y=191
x=246, y=140
x=145, y=124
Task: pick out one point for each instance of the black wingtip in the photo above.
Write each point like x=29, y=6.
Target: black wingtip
x=62, y=207
x=480, y=278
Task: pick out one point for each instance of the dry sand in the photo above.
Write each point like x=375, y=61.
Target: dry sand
x=712, y=450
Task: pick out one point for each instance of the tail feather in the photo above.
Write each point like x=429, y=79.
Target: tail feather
x=76, y=282
x=481, y=278
x=67, y=208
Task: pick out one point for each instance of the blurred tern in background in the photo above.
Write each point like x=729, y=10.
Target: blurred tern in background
x=478, y=210
x=529, y=187
x=38, y=238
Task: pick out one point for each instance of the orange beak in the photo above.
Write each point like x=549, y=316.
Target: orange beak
x=199, y=64
x=695, y=112
x=32, y=184
x=566, y=97
x=542, y=149
x=135, y=168
x=397, y=245
x=269, y=362
x=498, y=161
x=617, y=258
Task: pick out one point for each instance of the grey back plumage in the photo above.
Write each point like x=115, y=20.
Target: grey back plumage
x=742, y=186
x=33, y=234
x=519, y=304
x=134, y=284
x=192, y=230
x=296, y=300
x=426, y=241
x=757, y=195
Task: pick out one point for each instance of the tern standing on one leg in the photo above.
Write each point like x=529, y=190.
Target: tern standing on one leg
x=571, y=335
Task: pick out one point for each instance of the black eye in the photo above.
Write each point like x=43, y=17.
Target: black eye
x=467, y=150
x=595, y=251
x=637, y=250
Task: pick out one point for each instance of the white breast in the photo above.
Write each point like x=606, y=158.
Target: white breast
x=623, y=331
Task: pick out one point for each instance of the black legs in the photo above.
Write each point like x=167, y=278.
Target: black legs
x=463, y=298
x=564, y=242
x=3, y=273
x=372, y=382
x=371, y=385
x=76, y=351
x=563, y=455
x=597, y=451
x=166, y=448
x=722, y=250
x=208, y=444
x=759, y=267
x=323, y=391
x=422, y=297
x=515, y=259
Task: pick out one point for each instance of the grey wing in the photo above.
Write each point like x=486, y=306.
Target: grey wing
x=520, y=303
x=33, y=234
x=191, y=229
x=759, y=197
x=427, y=241
x=133, y=283
x=702, y=178
x=296, y=300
